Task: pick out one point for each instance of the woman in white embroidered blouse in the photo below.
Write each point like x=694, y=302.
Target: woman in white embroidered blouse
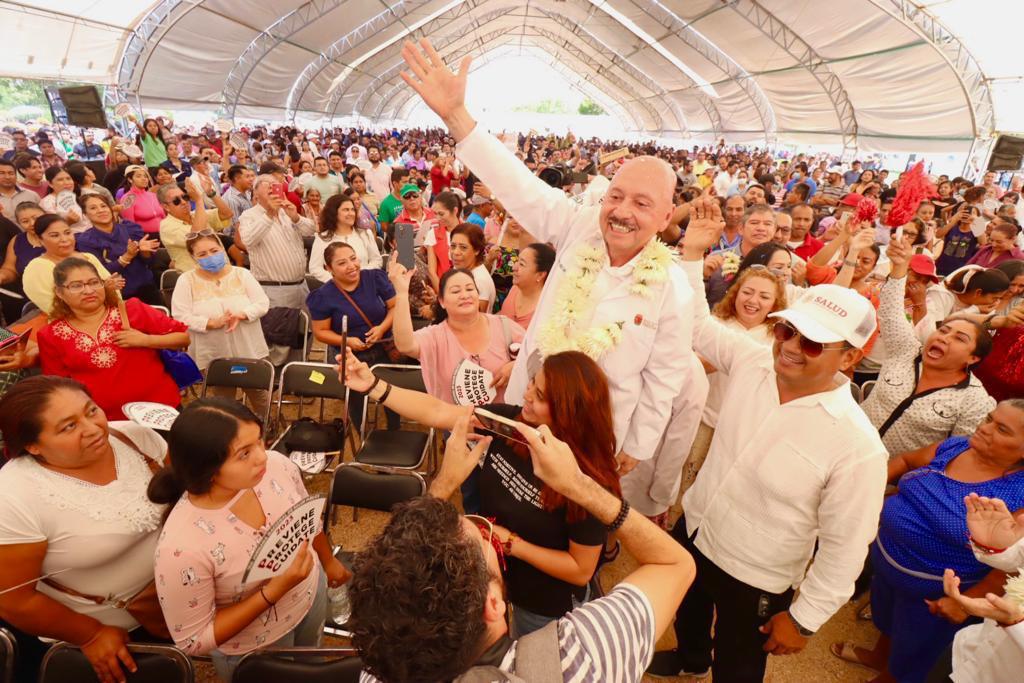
x=948, y=400
x=73, y=505
x=338, y=224
x=222, y=305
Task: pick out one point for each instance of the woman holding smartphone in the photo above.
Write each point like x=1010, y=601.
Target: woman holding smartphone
x=551, y=545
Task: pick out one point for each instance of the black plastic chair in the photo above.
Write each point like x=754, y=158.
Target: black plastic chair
x=306, y=664
x=308, y=380
x=398, y=448
x=242, y=373
x=65, y=663
x=365, y=486
x=8, y=655
x=168, y=279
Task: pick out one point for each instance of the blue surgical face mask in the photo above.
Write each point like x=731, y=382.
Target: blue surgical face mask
x=214, y=263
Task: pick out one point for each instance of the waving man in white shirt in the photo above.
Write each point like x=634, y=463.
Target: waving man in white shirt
x=798, y=463
x=614, y=292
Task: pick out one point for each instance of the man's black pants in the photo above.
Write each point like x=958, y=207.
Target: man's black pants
x=741, y=609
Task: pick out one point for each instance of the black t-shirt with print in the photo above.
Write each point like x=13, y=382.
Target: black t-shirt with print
x=510, y=492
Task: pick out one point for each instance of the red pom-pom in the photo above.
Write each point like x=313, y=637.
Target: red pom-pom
x=867, y=210
x=914, y=188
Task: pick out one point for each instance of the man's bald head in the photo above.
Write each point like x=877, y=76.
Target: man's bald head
x=655, y=171
x=636, y=207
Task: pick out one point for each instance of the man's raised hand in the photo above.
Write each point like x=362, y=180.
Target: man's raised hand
x=441, y=89
x=704, y=228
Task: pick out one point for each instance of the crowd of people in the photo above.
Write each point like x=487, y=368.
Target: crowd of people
x=835, y=399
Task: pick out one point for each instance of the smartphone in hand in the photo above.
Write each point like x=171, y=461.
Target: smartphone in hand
x=405, y=236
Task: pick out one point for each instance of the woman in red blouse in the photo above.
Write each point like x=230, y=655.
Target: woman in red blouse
x=86, y=341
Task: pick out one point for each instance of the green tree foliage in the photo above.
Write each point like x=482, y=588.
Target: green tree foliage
x=590, y=108
x=544, y=107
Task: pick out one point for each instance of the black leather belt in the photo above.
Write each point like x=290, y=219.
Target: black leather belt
x=278, y=283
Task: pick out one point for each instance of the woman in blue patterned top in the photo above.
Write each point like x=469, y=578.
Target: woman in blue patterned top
x=923, y=531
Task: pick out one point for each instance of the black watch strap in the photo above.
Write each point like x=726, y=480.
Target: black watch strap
x=806, y=633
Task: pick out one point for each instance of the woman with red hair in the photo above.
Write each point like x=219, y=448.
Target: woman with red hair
x=551, y=545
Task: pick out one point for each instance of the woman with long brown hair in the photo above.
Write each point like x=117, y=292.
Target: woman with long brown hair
x=551, y=545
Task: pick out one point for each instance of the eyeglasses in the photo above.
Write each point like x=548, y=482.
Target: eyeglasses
x=486, y=527
x=411, y=195
x=76, y=287
x=783, y=332
x=177, y=201
x=193, y=236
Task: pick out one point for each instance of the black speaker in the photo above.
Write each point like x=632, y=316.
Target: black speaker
x=1007, y=154
x=84, y=106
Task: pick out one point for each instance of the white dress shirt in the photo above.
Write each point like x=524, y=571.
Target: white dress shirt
x=988, y=652
x=274, y=243
x=647, y=369
x=779, y=477
x=378, y=180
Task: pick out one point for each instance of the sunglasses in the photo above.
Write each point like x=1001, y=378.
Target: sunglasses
x=193, y=236
x=773, y=271
x=177, y=201
x=486, y=528
x=411, y=195
x=783, y=332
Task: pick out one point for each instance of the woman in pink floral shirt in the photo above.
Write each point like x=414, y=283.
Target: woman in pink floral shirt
x=228, y=491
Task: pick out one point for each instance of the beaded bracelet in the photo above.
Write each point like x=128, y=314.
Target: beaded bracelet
x=621, y=518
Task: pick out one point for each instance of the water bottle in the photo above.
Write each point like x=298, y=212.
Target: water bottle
x=340, y=607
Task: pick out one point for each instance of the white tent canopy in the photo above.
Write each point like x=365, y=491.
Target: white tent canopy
x=873, y=75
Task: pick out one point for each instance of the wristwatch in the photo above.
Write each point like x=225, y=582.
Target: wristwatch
x=806, y=633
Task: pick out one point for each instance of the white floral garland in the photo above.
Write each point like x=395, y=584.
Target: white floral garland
x=573, y=301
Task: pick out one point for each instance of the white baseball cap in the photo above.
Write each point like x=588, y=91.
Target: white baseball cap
x=830, y=313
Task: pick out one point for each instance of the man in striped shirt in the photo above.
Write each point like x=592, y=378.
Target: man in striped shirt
x=272, y=232
x=428, y=596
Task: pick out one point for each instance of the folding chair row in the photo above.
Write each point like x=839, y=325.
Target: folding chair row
x=167, y=664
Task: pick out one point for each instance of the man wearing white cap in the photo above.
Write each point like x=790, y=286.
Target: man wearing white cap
x=795, y=463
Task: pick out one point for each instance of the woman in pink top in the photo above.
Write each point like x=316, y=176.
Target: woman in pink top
x=461, y=332
x=227, y=492
x=141, y=205
x=529, y=274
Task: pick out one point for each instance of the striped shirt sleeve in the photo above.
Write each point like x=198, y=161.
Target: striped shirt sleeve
x=608, y=639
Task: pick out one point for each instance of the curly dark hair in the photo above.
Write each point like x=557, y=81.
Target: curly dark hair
x=418, y=594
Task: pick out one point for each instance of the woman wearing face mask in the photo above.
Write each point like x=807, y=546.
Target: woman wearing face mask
x=88, y=341
x=947, y=398
x=227, y=491
x=140, y=205
x=468, y=247
x=122, y=247
x=222, y=305
x=74, y=502
x=58, y=244
x=338, y=224
x=63, y=199
x=501, y=257
x=367, y=298
x=528, y=277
